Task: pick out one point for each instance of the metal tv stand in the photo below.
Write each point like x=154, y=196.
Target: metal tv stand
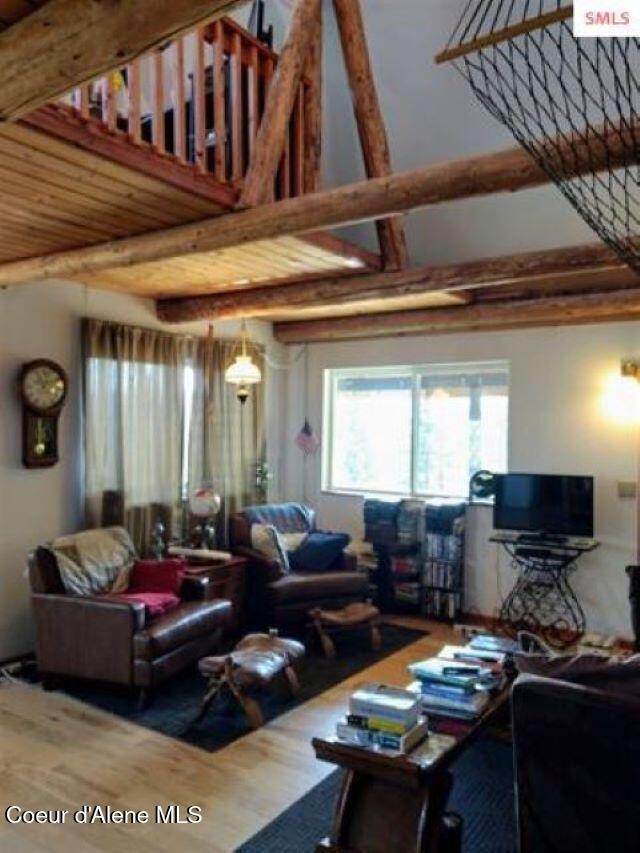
x=542, y=600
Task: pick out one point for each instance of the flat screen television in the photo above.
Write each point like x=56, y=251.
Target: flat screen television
x=544, y=503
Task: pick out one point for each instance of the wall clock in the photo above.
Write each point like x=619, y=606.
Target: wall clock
x=43, y=388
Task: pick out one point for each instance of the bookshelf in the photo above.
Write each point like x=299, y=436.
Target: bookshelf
x=419, y=549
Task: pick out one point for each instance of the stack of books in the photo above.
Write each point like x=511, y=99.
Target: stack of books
x=382, y=717
x=458, y=682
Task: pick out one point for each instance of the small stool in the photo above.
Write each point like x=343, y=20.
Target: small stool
x=255, y=662
x=357, y=615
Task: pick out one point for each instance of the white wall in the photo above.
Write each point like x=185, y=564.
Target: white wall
x=431, y=117
x=43, y=320
x=557, y=424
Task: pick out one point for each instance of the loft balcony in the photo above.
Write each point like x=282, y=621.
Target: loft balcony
x=162, y=141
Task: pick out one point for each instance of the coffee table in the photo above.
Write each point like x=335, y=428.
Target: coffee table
x=393, y=803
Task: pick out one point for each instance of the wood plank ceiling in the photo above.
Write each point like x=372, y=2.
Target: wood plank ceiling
x=56, y=196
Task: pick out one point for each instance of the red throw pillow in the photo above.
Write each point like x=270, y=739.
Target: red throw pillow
x=157, y=575
x=156, y=603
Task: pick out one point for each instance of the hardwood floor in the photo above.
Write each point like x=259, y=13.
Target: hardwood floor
x=58, y=753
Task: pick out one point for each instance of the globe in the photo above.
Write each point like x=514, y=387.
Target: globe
x=204, y=502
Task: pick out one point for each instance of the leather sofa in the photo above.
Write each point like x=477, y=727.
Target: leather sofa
x=577, y=760
x=106, y=638
x=277, y=600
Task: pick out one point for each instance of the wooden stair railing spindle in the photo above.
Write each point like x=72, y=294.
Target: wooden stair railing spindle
x=134, y=101
x=179, y=118
x=158, y=102
x=219, y=107
x=111, y=100
x=253, y=99
x=83, y=100
x=237, y=109
x=269, y=66
x=199, y=107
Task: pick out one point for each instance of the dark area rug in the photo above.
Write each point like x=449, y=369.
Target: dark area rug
x=482, y=795
x=176, y=701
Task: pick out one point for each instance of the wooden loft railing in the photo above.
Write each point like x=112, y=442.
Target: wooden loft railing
x=199, y=100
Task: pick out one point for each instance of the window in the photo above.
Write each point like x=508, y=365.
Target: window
x=415, y=430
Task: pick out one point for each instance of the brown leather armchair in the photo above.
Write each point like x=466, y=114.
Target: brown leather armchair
x=106, y=638
x=577, y=760
x=277, y=600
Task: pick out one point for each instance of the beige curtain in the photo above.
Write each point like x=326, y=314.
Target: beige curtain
x=134, y=421
x=227, y=439
x=160, y=421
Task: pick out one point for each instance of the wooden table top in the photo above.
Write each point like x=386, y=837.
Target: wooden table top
x=435, y=753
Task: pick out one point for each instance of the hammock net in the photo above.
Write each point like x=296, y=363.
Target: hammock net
x=572, y=103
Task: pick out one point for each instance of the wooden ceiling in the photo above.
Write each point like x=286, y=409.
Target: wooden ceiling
x=240, y=267
x=72, y=190
x=56, y=196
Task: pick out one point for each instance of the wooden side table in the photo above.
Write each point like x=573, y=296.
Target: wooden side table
x=226, y=580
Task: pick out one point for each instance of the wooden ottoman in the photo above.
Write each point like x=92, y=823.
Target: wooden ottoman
x=358, y=615
x=255, y=662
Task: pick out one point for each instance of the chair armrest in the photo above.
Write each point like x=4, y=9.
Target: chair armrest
x=349, y=562
x=87, y=637
x=269, y=570
x=260, y=574
x=194, y=588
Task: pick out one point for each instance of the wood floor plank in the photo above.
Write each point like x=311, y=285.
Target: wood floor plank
x=60, y=753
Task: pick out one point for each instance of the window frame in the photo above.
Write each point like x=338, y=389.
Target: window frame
x=330, y=381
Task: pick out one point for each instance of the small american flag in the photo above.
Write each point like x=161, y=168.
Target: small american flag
x=307, y=440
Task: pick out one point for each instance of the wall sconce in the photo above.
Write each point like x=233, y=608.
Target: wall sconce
x=622, y=394
x=630, y=369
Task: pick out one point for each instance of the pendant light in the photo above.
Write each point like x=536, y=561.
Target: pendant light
x=243, y=372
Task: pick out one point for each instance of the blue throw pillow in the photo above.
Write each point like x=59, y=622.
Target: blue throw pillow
x=318, y=552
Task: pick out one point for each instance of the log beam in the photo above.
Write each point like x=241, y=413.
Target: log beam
x=370, y=121
x=68, y=42
x=281, y=97
x=561, y=265
x=513, y=314
x=503, y=171
x=313, y=109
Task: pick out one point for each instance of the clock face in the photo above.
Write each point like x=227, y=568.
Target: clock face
x=43, y=387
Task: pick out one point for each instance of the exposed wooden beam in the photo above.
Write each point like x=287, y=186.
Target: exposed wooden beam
x=562, y=265
x=502, y=171
x=313, y=108
x=549, y=311
x=370, y=121
x=281, y=97
x=68, y=42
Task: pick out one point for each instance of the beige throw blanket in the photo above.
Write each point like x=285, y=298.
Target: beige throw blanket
x=95, y=561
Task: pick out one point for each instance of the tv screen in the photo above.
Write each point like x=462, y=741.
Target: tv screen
x=544, y=503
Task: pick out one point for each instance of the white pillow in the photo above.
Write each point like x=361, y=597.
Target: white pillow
x=292, y=541
x=266, y=539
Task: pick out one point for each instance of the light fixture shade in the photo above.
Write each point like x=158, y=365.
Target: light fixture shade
x=243, y=372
